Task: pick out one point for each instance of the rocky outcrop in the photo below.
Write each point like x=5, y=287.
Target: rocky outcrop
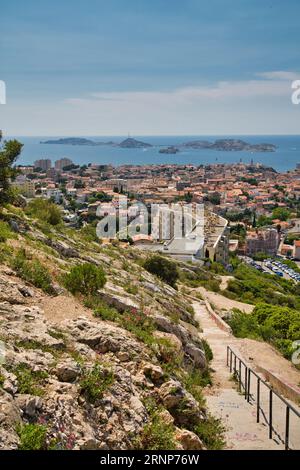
x=188, y=440
x=67, y=370
x=192, y=345
x=10, y=417
x=103, y=337
x=181, y=404
x=48, y=372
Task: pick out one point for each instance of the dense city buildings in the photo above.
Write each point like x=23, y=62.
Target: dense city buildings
x=248, y=208
x=63, y=163
x=43, y=164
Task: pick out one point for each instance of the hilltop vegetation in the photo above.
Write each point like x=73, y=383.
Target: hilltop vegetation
x=275, y=318
x=280, y=326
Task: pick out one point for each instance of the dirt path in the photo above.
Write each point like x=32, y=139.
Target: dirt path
x=223, y=399
x=223, y=303
x=63, y=307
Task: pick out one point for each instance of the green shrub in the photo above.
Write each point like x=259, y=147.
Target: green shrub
x=5, y=232
x=207, y=349
x=157, y=435
x=32, y=437
x=29, y=381
x=32, y=270
x=94, y=382
x=85, y=278
x=88, y=233
x=44, y=210
x=253, y=287
x=194, y=381
x=105, y=312
x=162, y=268
x=6, y=253
x=278, y=325
x=2, y=379
x=211, y=432
x=131, y=289
x=139, y=324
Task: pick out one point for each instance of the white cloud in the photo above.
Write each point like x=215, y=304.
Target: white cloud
x=269, y=84
x=258, y=106
x=279, y=75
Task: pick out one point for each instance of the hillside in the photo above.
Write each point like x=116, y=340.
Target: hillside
x=117, y=368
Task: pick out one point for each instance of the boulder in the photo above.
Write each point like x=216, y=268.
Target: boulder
x=188, y=440
x=29, y=404
x=120, y=302
x=192, y=345
x=9, y=412
x=67, y=370
x=104, y=337
x=181, y=404
x=153, y=372
x=171, y=394
x=197, y=355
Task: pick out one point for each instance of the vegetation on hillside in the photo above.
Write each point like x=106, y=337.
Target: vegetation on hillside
x=85, y=279
x=8, y=156
x=251, y=286
x=162, y=268
x=44, y=210
x=280, y=326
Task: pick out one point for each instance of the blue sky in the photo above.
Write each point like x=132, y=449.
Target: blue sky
x=152, y=67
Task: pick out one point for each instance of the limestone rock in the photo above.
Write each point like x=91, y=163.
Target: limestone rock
x=67, y=370
x=29, y=404
x=155, y=373
x=181, y=404
x=197, y=355
x=188, y=440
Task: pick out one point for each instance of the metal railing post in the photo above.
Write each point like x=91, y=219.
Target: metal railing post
x=258, y=400
x=249, y=385
x=287, y=428
x=271, y=415
x=230, y=361
x=240, y=376
x=246, y=381
x=227, y=357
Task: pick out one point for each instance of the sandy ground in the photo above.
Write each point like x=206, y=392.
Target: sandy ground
x=223, y=303
x=63, y=307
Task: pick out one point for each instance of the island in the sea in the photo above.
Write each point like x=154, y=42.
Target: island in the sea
x=127, y=143
x=225, y=145
x=170, y=150
x=131, y=143
x=75, y=141
x=230, y=145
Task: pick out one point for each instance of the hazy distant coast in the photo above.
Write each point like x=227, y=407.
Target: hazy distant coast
x=225, y=145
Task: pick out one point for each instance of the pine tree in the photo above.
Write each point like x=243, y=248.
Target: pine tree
x=8, y=156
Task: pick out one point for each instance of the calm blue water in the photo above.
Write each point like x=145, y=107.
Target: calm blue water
x=285, y=158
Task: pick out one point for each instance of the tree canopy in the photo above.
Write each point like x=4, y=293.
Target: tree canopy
x=9, y=153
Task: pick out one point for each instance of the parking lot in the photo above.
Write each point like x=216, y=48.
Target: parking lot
x=274, y=267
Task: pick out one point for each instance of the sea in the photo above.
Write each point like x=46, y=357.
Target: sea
x=286, y=157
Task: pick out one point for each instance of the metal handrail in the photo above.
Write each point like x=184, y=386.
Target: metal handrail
x=245, y=383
